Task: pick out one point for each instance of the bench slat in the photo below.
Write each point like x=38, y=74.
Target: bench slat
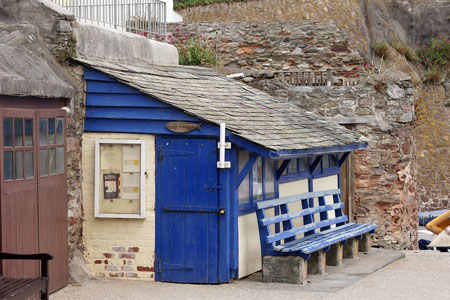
x=320, y=235
x=276, y=202
x=301, y=213
x=298, y=230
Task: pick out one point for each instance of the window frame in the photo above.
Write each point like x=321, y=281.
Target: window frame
x=319, y=171
x=250, y=207
x=142, y=213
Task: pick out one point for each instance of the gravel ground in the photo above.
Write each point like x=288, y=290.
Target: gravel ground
x=421, y=275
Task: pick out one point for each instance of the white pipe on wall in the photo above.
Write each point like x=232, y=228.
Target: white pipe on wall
x=221, y=164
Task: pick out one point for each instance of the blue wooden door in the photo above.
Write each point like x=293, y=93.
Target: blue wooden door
x=187, y=207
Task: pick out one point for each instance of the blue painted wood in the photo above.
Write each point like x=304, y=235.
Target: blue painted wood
x=110, y=87
x=141, y=113
x=315, y=163
x=264, y=232
x=234, y=212
x=92, y=74
x=283, y=167
x=295, y=198
x=289, y=154
x=299, y=230
x=188, y=238
x=122, y=100
x=300, y=213
x=287, y=224
x=323, y=214
x=246, y=169
x=338, y=211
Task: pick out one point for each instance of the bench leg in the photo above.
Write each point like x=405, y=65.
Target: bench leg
x=317, y=263
x=336, y=255
x=351, y=248
x=365, y=244
x=284, y=269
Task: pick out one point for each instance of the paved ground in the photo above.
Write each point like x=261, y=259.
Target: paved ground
x=420, y=275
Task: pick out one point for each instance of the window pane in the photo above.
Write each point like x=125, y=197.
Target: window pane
x=18, y=132
x=257, y=180
x=43, y=162
x=29, y=164
x=293, y=166
x=28, y=132
x=19, y=164
x=280, y=162
x=8, y=165
x=51, y=131
x=42, y=132
x=60, y=131
x=269, y=178
x=52, y=161
x=303, y=164
x=333, y=161
x=244, y=192
x=60, y=163
x=7, y=132
x=243, y=159
x=325, y=161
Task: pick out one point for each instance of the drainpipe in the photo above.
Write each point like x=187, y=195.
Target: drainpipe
x=222, y=164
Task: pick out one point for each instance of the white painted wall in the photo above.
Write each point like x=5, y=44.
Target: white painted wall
x=323, y=184
x=249, y=245
x=172, y=16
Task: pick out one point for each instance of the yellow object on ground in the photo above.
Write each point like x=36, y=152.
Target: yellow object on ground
x=437, y=225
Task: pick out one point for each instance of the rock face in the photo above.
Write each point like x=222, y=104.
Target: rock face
x=275, y=46
x=382, y=109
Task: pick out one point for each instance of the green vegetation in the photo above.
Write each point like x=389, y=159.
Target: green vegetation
x=179, y=4
x=404, y=50
x=193, y=51
x=380, y=48
x=70, y=50
x=435, y=57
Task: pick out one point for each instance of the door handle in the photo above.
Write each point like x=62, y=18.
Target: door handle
x=222, y=211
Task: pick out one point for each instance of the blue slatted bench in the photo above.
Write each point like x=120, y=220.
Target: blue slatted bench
x=313, y=236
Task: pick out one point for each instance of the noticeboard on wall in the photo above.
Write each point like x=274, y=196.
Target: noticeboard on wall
x=120, y=179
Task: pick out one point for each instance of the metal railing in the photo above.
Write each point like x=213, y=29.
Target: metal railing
x=143, y=17
x=307, y=78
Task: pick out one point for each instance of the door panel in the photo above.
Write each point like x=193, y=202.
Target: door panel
x=188, y=212
x=18, y=197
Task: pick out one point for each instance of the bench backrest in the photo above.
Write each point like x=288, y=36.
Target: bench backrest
x=277, y=212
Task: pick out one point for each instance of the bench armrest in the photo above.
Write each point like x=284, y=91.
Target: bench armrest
x=43, y=257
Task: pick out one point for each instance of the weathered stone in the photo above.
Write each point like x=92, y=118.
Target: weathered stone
x=317, y=263
x=78, y=271
x=365, y=244
x=351, y=248
x=395, y=92
x=335, y=255
x=284, y=269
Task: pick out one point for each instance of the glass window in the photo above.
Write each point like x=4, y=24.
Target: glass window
x=303, y=164
x=18, y=163
x=60, y=163
x=244, y=191
x=279, y=165
x=243, y=159
x=333, y=160
x=29, y=164
x=51, y=131
x=60, y=131
x=326, y=161
x=52, y=161
x=42, y=132
x=43, y=162
x=293, y=166
x=8, y=165
x=18, y=132
x=269, y=183
x=7, y=133
x=257, y=180
x=28, y=132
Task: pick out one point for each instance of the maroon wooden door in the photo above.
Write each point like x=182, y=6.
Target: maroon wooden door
x=34, y=190
x=19, y=206
x=52, y=193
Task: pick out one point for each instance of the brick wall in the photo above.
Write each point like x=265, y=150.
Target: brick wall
x=118, y=248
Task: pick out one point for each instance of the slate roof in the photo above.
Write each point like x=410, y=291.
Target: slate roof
x=249, y=113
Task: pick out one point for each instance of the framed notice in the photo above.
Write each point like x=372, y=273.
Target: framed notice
x=120, y=179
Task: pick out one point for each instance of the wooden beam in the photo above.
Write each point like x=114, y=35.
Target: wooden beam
x=315, y=164
x=343, y=158
x=246, y=169
x=281, y=169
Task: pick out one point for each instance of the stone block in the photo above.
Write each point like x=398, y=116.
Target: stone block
x=336, y=255
x=365, y=243
x=351, y=248
x=317, y=263
x=284, y=269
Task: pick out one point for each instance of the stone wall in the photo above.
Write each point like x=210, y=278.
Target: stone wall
x=382, y=109
x=433, y=146
x=345, y=13
x=276, y=46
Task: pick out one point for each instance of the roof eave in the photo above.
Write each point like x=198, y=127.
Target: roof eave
x=289, y=154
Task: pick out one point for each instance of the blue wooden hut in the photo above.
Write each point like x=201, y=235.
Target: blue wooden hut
x=200, y=216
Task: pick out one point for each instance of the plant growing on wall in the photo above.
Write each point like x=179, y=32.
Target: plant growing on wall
x=179, y=4
x=193, y=51
x=434, y=56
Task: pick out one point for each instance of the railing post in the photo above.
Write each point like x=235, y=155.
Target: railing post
x=115, y=14
x=329, y=79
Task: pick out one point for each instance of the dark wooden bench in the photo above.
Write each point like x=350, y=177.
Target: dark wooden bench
x=309, y=232
x=23, y=288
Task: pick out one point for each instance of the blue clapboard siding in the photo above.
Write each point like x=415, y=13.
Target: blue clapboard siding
x=112, y=106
